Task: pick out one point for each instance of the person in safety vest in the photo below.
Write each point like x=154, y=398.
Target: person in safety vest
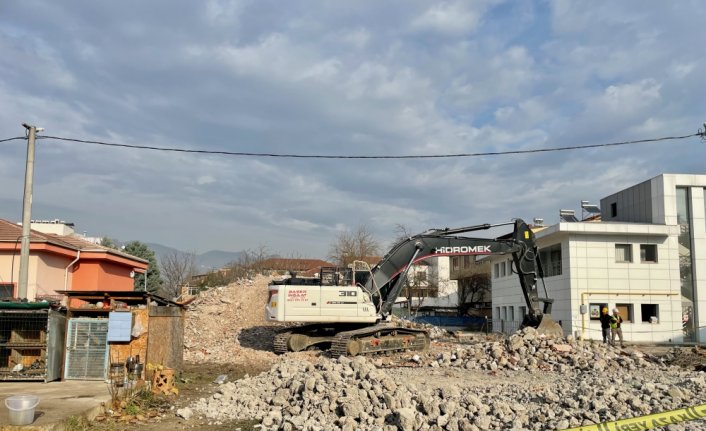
x=615, y=329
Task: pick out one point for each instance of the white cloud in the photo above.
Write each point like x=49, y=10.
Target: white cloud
x=340, y=78
x=205, y=179
x=623, y=103
x=358, y=38
x=448, y=18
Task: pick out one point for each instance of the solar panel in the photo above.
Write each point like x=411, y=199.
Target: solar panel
x=592, y=209
x=567, y=216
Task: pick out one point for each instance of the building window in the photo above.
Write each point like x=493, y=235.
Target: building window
x=623, y=253
x=551, y=260
x=502, y=269
x=454, y=263
x=504, y=315
x=523, y=312
x=648, y=253
x=509, y=267
x=626, y=312
x=511, y=313
x=7, y=290
x=466, y=261
x=614, y=209
x=496, y=270
x=594, y=310
x=650, y=313
x=497, y=312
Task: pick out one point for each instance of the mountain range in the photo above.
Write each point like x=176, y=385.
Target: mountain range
x=205, y=261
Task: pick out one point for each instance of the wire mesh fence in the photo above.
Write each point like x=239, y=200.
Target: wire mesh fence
x=23, y=345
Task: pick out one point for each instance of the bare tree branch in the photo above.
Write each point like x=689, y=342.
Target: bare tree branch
x=176, y=269
x=353, y=245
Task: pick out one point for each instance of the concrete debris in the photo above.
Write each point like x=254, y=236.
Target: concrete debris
x=435, y=332
x=227, y=325
x=185, y=413
x=522, y=383
x=222, y=378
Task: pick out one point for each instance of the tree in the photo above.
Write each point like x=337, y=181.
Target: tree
x=176, y=268
x=472, y=288
x=108, y=242
x=417, y=284
x=353, y=245
x=154, y=280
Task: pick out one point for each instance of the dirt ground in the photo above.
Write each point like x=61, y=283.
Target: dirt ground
x=196, y=381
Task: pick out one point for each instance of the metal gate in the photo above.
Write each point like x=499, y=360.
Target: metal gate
x=86, y=349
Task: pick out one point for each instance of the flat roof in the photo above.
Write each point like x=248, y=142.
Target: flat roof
x=609, y=228
x=127, y=295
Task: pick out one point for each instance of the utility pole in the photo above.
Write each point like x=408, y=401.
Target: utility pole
x=27, y=211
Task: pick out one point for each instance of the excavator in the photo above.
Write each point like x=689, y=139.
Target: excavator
x=349, y=311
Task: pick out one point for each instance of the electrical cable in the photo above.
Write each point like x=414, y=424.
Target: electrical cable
x=313, y=156
x=17, y=138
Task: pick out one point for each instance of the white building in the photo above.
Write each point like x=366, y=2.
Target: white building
x=647, y=257
x=431, y=286
x=439, y=273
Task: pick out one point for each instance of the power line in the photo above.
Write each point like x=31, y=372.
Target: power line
x=313, y=156
x=13, y=139
x=430, y=156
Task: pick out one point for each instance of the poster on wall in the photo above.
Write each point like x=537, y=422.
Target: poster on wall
x=594, y=310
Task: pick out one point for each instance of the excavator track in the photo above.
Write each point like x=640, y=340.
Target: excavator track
x=300, y=338
x=379, y=339
x=280, y=342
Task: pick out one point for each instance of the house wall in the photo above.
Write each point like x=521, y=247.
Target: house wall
x=7, y=274
x=50, y=273
x=45, y=272
x=101, y=275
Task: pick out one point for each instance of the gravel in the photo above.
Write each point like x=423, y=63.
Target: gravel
x=524, y=382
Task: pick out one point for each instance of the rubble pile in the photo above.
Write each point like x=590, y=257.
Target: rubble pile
x=227, y=324
x=353, y=394
x=435, y=332
x=527, y=350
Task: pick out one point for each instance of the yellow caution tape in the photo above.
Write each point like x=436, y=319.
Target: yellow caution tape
x=655, y=420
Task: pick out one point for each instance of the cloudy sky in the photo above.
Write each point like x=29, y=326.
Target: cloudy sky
x=332, y=77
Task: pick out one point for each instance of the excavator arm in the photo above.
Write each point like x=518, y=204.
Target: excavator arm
x=388, y=276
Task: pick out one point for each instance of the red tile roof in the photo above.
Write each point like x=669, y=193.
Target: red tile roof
x=11, y=232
